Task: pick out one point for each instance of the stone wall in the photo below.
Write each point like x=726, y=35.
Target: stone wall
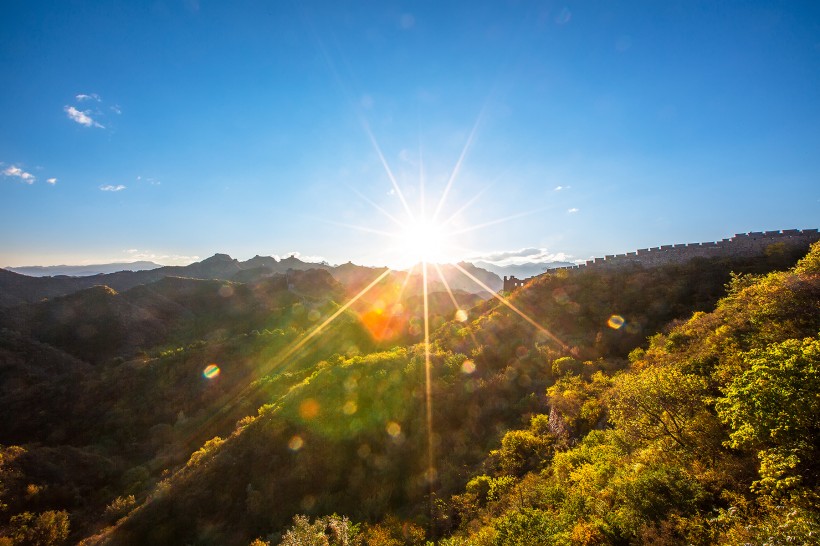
x=741, y=245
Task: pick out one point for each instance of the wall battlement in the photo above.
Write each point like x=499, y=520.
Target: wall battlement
x=741, y=245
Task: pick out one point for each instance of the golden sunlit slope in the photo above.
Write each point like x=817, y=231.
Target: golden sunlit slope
x=353, y=437
x=710, y=438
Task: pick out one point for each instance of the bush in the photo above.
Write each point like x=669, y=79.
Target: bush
x=45, y=529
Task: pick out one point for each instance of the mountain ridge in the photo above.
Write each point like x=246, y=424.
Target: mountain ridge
x=82, y=270
x=16, y=288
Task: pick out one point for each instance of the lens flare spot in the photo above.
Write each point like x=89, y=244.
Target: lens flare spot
x=296, y=443
x=615, y=322
x=226, y=291
x=308, y=502
x=314, y=315
x=350, y=407
x=560, y=296
x=461, y=315
x=563, y=16
x=468, y=367
x=381, y=324
x=393, y=429
x=363, y=451
x=309, y=408
x=211, y=371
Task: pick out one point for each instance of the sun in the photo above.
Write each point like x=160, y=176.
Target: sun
x=424, y=240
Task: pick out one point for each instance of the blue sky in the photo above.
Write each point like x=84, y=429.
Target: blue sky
x=171, y=130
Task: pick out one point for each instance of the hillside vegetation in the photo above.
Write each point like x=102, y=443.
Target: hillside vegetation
x=663, y=405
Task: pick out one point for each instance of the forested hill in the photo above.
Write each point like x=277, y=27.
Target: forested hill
x=649, y=406
x=709, y=436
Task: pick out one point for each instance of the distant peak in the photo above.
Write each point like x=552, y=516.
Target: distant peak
x=218, y=258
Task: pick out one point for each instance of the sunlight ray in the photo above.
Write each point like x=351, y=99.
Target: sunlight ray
x=313, y=333
x=509, y=304
x=457, y=167
x=428, y=386
x=231, y=403
x=404, y=285
x=466, y=205
x=354, y=226
x=497, y=221
x=400, y=294
x=377, y=207
x=453, y=299
x=446, y=286
x=475, y=198
x=388, y=171
x=422, y=204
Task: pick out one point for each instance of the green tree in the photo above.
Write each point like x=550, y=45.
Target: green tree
x=524, y=451
x=45, y=529
x=773, y=408
x=527, y=527
x=661, y=403
x=324, y=531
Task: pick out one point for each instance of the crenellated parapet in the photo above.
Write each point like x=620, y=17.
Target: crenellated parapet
x=511, y=283
x=741, y=245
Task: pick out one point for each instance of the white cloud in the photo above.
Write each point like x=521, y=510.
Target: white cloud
x=83, y=97
x=306, y=258
x=559, y=188
x=135, y=255
x=52, y=181
x=110, y=187
x=81, y=117
x=522, y=256
x=573, y=210
x=116, y=109
x=17, y=172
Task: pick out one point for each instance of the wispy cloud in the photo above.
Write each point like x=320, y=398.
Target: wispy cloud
x=82, y=97
x=52, y=181
x=81, y=117
x=149, y=180
x=17, y=172
x=116, y=109
x=111, y=187
x=559, y=188
x=573, y=210
x=522, y=256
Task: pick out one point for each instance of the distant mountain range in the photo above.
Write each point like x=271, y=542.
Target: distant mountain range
x=82, y=270
x=522, y=271
x=91, y=320
x=17, y=288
